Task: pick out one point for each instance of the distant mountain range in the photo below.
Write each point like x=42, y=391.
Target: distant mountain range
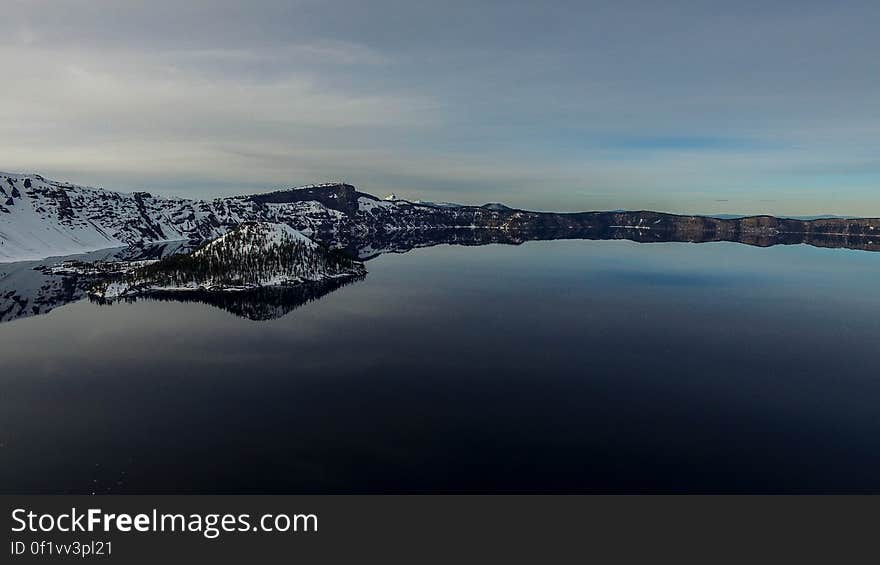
x=41, y=218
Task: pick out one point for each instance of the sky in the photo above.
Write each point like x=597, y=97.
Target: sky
x=680, y=106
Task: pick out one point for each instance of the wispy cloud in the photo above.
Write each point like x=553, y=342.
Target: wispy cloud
x=686, y=143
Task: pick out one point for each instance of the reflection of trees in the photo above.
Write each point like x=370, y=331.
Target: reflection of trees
x=265, y=303
x=27, y=291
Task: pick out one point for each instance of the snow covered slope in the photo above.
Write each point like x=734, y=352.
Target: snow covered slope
x=27, y=230
x=41, y=218
x=254, y=238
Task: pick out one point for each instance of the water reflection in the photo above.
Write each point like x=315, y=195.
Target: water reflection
x=403, y=241
x=29, y=289
x=267, y=303
x=554, y=367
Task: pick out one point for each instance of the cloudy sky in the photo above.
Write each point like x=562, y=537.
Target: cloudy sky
x=686, y=106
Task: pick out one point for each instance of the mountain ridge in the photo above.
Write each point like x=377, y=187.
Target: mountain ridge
x=41, y=218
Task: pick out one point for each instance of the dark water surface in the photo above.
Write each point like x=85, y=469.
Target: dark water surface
x=563, y=366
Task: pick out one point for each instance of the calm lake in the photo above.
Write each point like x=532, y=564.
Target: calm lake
x=556, y=366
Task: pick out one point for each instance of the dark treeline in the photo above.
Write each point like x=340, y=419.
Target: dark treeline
x=261, y=303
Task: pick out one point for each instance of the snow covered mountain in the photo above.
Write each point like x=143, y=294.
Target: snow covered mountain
x=40, y=218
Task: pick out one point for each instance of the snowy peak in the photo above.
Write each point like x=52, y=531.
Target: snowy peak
x=252, y=237
x=41, y=218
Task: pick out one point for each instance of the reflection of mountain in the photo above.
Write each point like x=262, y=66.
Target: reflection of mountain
x=402, y=241
x=28, y=289
x=265, y=303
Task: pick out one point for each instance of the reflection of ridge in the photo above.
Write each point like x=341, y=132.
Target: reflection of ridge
x=402, y=241
x=264, y=303
x=27, y=289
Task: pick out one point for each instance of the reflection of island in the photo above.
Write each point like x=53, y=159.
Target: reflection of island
x=34, y=288
x=256, y=270
x=263, y=303
x=249, y=256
